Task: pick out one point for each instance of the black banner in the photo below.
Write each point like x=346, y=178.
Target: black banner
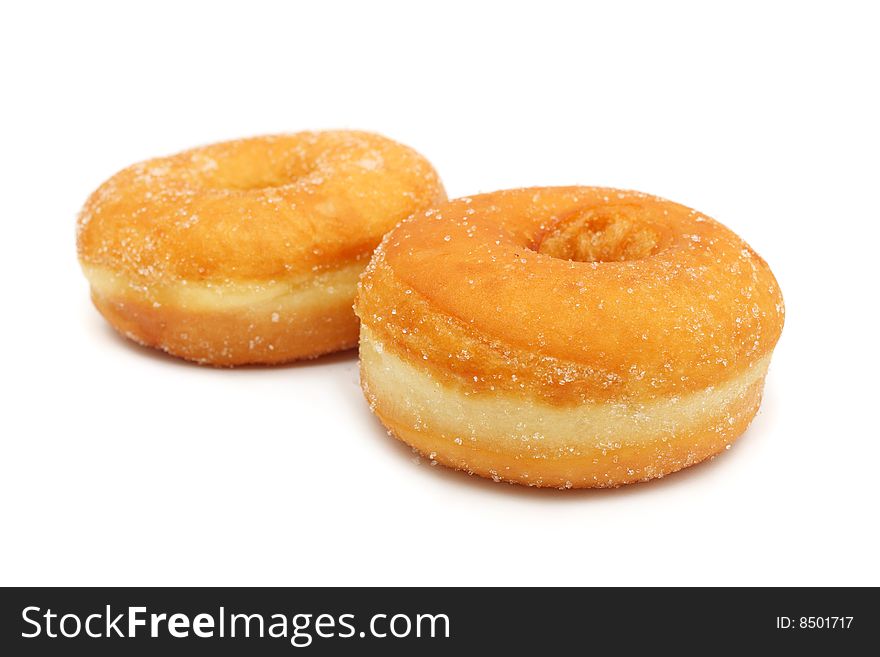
x=126, y=621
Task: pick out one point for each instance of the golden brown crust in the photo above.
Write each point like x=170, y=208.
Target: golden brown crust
x=238, y=215
x=571, y=298
x=225, y=338
x=463, y=289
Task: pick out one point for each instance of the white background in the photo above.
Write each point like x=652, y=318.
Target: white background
x=123, y=466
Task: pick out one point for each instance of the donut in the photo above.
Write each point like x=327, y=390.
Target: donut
x=248, y=251
x=568, y=337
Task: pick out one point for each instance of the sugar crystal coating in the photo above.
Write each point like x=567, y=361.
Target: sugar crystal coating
x=627, y=313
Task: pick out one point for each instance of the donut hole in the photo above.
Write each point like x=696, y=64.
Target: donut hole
x=601, y=235
x=255, y=175
x=251, y=165
x=256, y=180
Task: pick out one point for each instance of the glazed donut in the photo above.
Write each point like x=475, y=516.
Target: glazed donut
x=248, y=251
x=569, y=337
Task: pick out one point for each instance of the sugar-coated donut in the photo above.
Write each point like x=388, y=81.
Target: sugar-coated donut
x=569, y=337
x=248, y=251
